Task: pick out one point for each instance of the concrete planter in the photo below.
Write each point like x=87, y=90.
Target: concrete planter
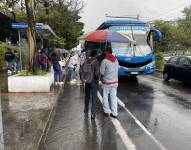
x=30, y=83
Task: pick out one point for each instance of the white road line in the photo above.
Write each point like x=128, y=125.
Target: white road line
x=159, y=144
x=122, y=133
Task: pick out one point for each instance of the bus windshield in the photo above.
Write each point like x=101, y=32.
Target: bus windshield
x=128, y=50
x=138, y=34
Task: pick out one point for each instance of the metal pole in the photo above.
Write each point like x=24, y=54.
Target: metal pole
x=19, y=33
x=1, y=128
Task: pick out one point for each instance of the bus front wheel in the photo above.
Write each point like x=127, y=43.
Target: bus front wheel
x=133, y=76
x=166, y=76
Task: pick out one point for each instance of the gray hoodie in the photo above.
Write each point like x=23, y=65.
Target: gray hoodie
x=109, y=70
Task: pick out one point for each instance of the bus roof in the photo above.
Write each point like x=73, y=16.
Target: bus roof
x=109, y=23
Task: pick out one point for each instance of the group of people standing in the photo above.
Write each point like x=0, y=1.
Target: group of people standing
x=12, y=60
x=43, y=59
x=46, y=59
x=105, y=71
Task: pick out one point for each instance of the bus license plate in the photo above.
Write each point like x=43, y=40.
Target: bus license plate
x=134, y=73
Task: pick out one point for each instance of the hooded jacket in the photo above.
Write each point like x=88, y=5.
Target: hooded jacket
x=109, y=70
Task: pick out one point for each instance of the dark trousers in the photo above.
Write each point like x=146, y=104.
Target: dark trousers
x=57, y=72
x=91, y=91
x=43, y=67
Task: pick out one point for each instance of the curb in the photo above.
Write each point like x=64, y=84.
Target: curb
x=41, y=144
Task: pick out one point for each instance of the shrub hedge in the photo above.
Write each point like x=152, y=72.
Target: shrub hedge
x=2, y=55
x=160, y=61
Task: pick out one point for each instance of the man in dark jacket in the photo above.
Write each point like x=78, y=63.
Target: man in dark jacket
x=57, y=69
x=9, y=56
x=92, y=87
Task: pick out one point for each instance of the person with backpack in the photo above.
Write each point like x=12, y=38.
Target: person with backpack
x=90, y=75
x=109, y=78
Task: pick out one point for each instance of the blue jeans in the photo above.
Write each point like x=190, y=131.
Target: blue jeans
x=9, y=66
x=72, y=72
x=43, y=67
x=112, y=91
x=91, y=89
x=57, y=72
x=16, y=67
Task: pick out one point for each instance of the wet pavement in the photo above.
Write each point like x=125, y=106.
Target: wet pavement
x=25, y=116
x=159, y=118
x=72, y=129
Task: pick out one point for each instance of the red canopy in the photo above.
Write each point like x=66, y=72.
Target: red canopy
x=97, y=36
x=106, y=36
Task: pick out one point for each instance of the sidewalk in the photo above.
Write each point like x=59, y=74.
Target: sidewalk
x=73, y=130
x=25, y=116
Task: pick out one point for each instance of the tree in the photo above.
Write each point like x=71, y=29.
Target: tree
x=31, y=32
x=61, y=15
x=169, y=33
x=57, y=42
x=185, y=28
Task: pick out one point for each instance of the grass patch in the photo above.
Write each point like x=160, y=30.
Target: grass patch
x=28, y=73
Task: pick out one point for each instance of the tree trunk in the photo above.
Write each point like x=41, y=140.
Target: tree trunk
x=31, y=33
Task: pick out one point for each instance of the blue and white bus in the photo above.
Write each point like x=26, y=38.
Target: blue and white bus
x=138, y=56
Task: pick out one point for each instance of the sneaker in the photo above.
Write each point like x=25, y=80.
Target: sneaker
x=93, y=116
x=56, y=83
x=85, y=113
x=113, y=116
x=9, y=72
x=106, y=114
x=72, y=82
x=61, y=83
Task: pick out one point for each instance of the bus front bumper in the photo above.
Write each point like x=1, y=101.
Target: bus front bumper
x=137, y=71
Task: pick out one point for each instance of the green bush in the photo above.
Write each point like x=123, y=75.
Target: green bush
x=160, y=61
x=2, y=55
x=28, y=73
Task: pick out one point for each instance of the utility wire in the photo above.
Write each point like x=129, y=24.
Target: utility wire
x=173, y=9
x=170, y=10
x=171, y=17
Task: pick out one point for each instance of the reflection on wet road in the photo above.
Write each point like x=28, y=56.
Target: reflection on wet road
x=3, y=82
x=73, y=130
x=162, y=108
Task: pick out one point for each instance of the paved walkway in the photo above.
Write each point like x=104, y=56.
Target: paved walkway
x=72, y=130
x=25, y=116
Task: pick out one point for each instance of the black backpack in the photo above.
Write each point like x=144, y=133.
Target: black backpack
x=87, y=72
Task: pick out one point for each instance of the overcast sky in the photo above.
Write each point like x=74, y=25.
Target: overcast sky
x=94, y=11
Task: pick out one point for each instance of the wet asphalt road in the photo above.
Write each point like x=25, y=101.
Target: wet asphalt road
x=164, y=109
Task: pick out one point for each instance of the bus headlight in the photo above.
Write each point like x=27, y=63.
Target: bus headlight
x=152, y=64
